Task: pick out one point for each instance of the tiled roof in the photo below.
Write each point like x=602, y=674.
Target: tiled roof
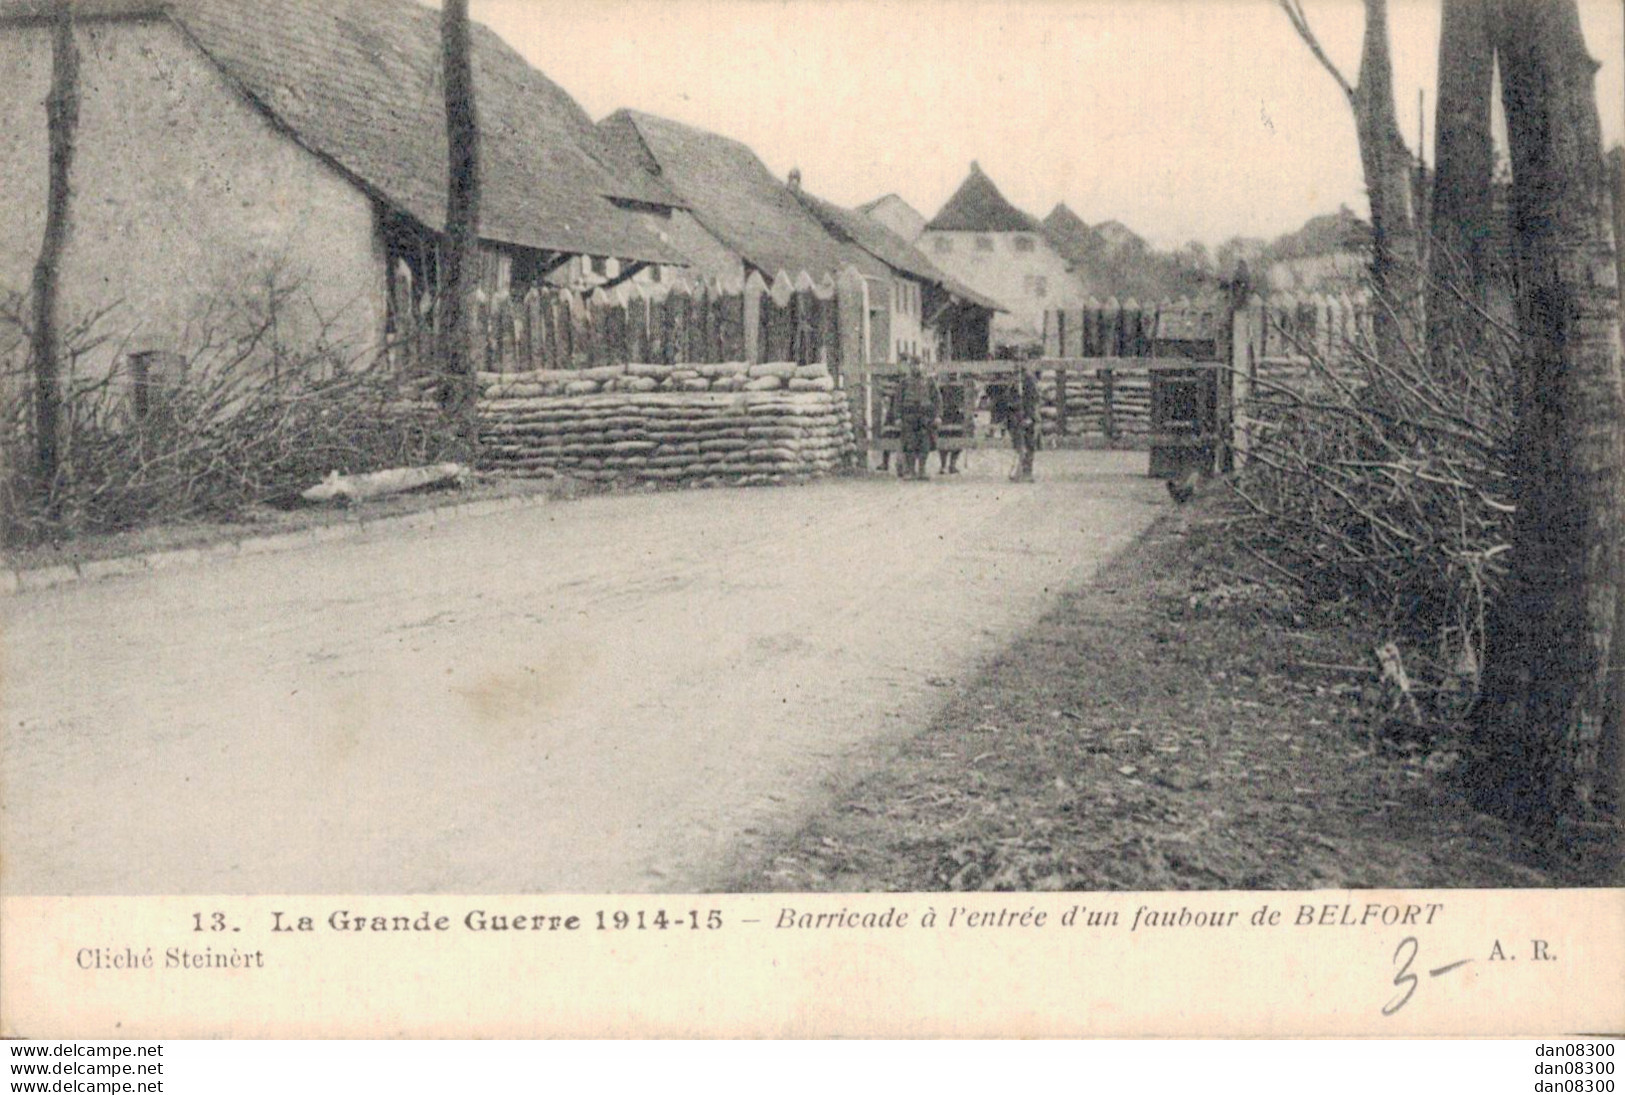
x=734, y=196
x=977, y=206
x=358, y=83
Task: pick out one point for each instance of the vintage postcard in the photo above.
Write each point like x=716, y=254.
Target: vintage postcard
x=839, y=518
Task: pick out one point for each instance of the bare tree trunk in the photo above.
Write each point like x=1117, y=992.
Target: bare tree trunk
x=1460, y=259
x=1387, y=166
x=1554, y=673
x=45, y=351
x=1387, y=163
x=460, y=251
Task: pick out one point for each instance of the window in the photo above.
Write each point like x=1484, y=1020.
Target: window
x=984, y=243
x=600, y=265
x=1037, y=285
x=1024, y=243
x=943, y=245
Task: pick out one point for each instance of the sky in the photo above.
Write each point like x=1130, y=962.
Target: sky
x=1184, y=119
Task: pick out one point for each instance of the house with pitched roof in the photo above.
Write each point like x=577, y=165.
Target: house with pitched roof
x=226, y=144
x=1001, y=252
x=942, y=317
x=731, y=216
x=896, y=214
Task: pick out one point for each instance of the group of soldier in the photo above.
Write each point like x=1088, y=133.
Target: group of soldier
x=927, y=416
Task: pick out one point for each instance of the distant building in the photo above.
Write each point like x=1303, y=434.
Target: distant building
x=1001, y=252
x=940, y=318
x=1329, y=254
x=226, y=144
x=732, y=216
x=896, y=214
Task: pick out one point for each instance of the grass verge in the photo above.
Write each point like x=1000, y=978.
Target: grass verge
x=1170, y=726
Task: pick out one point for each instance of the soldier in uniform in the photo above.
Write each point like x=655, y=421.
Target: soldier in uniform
x=958, y=410
x=888, y=427
x=919, y=414
x=1016, y=405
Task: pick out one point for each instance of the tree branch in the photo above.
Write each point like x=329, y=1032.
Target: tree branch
x=1300, y=23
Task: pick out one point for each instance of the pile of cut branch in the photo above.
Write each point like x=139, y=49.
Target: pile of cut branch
x=241, y=422
x=1382, y=483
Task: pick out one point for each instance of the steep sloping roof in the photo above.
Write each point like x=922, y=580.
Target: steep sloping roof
x=1071, y=237
x=977, y=206
x=896, y=214
x=888, y=247
x=358, y=83
x=732, y=193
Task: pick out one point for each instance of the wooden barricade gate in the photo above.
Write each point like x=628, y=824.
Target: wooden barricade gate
x=1187, y=424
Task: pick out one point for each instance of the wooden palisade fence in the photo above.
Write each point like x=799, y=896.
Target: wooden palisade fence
x=688, y=321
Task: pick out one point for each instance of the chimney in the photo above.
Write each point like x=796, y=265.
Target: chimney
x=795, y=179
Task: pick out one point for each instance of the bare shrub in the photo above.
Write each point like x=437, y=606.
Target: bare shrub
x=1382, y=484
x=245, y=419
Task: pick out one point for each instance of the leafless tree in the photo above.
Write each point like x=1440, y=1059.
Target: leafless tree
x=1555, y=663
x=1388, y=169
x=45, y=352
x=1461, y=262
x=459, y=254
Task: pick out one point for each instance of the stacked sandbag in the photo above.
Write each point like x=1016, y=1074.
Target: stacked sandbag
x=727, y=376
x=701, y=425
x=1086, y=403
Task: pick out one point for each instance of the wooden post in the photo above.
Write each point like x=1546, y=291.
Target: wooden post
x=803, y=348
x=573, y=329
x=679, y=321
x=732, y=304
x=755, y=292
x=502, y=340
x=715, y=320
x=1060, y=394
x=552, y=356
x=637, y=322
x=1108, y=415
x=850, y=311
x=827, y=334
x=778, y=330
x=1112, y=329
x=479, y=333
x=656, y=353
x=530, y=329
x=1247, y=347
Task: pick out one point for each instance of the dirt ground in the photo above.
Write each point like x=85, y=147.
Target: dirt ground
x=1167, y=727
x=616, y=694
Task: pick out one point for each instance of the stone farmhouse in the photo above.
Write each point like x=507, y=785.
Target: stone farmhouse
x=226, y=145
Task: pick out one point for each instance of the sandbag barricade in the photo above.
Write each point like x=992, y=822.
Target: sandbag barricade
x=700, y=425
x=1086, y=406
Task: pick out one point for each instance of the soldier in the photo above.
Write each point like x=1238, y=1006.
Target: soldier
x=888, y=427
x=958, y=411
x=919, y=414
x=1016, y=405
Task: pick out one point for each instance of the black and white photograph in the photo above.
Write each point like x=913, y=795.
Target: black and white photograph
x=732, y=447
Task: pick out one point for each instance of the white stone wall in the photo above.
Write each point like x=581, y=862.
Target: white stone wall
x=1027, y=281
x=187, y=201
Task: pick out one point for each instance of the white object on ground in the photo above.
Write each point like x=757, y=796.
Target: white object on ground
x=352, y=488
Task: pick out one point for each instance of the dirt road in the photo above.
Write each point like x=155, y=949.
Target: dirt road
x=620, y=694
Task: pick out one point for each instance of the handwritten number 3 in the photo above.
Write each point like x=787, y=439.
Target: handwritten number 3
x=1404, y=978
